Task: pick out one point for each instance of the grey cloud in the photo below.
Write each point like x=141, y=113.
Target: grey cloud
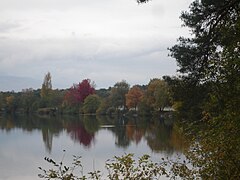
x=17, y=51
x=6, y=26
x=70, y=60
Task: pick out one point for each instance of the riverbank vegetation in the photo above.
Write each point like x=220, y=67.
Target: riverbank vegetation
x=83, y=98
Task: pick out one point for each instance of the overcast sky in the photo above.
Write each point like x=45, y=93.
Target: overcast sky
x=103, y=40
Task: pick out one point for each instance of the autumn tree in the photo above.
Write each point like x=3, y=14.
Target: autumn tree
x=78, y=92
x=46, y=86
x=133, y=97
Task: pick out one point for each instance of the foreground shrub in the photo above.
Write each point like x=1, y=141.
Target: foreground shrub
x=123, y=167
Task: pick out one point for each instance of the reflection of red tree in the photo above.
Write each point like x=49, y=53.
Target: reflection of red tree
x=79, y=134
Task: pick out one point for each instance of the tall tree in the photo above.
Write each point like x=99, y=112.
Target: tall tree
x=46, y=86
x=212, y=57
x=212, y=54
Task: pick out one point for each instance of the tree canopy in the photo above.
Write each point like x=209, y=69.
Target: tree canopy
x=118, y=93
x=78, y=92
x=157, y=94
x=134, y=97
x=212, y=54
x=209, y=63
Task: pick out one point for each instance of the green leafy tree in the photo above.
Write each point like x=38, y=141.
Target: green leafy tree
x=91, y=104
x=214, y=48
x=157, y=94
x=187, y=98
x=103, y=93
x=212, y=54
x=56, y=98
x=118, y=93
x=143, y=108
x=104, y=106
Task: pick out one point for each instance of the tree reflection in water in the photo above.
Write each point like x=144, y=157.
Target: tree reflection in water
x=160, y=134
x=79, y=134
x=47, y=139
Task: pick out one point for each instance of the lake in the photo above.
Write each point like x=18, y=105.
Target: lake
x=26, y=140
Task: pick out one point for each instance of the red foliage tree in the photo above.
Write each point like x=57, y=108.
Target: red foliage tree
x=78, y=92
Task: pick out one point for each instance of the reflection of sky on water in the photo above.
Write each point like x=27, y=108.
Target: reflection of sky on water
x=20, y=154
x=22, y=151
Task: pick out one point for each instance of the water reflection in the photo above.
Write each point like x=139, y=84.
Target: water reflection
x=47, y=139
x=78, y=133
x=159, y=133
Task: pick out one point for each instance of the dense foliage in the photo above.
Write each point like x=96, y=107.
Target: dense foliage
x=210, y=67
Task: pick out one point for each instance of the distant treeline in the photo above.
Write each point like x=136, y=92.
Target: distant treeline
x=85, y=99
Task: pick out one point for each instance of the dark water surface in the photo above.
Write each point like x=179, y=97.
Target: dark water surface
x=26, y=140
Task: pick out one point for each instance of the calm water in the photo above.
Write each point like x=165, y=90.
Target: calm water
x=26, y=140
